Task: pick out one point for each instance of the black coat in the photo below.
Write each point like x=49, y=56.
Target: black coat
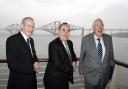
x=59, y=70
x=20, y=63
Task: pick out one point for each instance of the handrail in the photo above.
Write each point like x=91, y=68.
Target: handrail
x=3, y=60
x=40, y=60
x=121, y=63
x=46, y=60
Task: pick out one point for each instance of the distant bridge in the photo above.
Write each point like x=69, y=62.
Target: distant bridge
x=51, y=27
x=13, y=28
x=54, y=27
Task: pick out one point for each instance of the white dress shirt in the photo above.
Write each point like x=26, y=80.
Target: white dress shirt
x=102, y=43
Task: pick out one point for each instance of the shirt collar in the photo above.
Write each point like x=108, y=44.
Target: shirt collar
x=25, y=37
x=96, y=37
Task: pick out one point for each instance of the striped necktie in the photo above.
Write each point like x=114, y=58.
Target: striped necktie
x=29, y=43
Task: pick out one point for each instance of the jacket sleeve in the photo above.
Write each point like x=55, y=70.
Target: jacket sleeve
x=111, y=56
x=111, y=53
x=82, y=57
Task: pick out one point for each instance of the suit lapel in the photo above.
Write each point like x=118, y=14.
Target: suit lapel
x=61, y=44
x=23, y=42
x=70, y=49
x=93, y=46
x=63, y=49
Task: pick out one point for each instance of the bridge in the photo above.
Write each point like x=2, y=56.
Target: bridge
x=53, y=28
x=50, y=27
x=12, y=28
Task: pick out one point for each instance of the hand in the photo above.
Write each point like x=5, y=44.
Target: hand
x=36, y=66
x=82, y=77
x=74, y=64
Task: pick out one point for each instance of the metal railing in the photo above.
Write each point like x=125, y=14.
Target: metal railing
x=4, y=72
x=114, y=84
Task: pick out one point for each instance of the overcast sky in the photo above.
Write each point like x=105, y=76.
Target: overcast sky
x=77, y=12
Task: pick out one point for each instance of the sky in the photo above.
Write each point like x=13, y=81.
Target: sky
x=77, y=12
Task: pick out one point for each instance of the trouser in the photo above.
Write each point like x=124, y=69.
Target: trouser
x=101, y=84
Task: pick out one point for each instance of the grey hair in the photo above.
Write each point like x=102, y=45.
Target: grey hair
x=96, y=21
x=25, y=19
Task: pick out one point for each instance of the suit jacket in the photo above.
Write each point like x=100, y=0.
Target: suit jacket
x=59, y=69
x=20, y=63
x=90, y=65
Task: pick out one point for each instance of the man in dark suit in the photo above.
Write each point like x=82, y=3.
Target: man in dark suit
x=59, y=70
x=21, y=57
x=96, y=58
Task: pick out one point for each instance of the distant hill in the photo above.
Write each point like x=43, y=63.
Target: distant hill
x=122, y=34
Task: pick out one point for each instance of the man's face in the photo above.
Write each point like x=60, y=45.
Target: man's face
x=98, y=28
x=64, y=33
x=28, y=27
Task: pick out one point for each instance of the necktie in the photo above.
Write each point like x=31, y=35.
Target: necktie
x=29, y=43
x=100, y=50
x=68, y=51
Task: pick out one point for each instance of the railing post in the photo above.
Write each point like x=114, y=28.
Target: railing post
x=114, y=83
x=82, y=32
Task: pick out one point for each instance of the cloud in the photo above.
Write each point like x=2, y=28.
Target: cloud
x=79, y=12
x=115, y=16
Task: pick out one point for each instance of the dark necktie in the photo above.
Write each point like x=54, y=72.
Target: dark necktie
x=68, y=51
x=29, y=43
x=100, y=51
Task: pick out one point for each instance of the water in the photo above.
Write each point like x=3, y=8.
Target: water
x=42, y=41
